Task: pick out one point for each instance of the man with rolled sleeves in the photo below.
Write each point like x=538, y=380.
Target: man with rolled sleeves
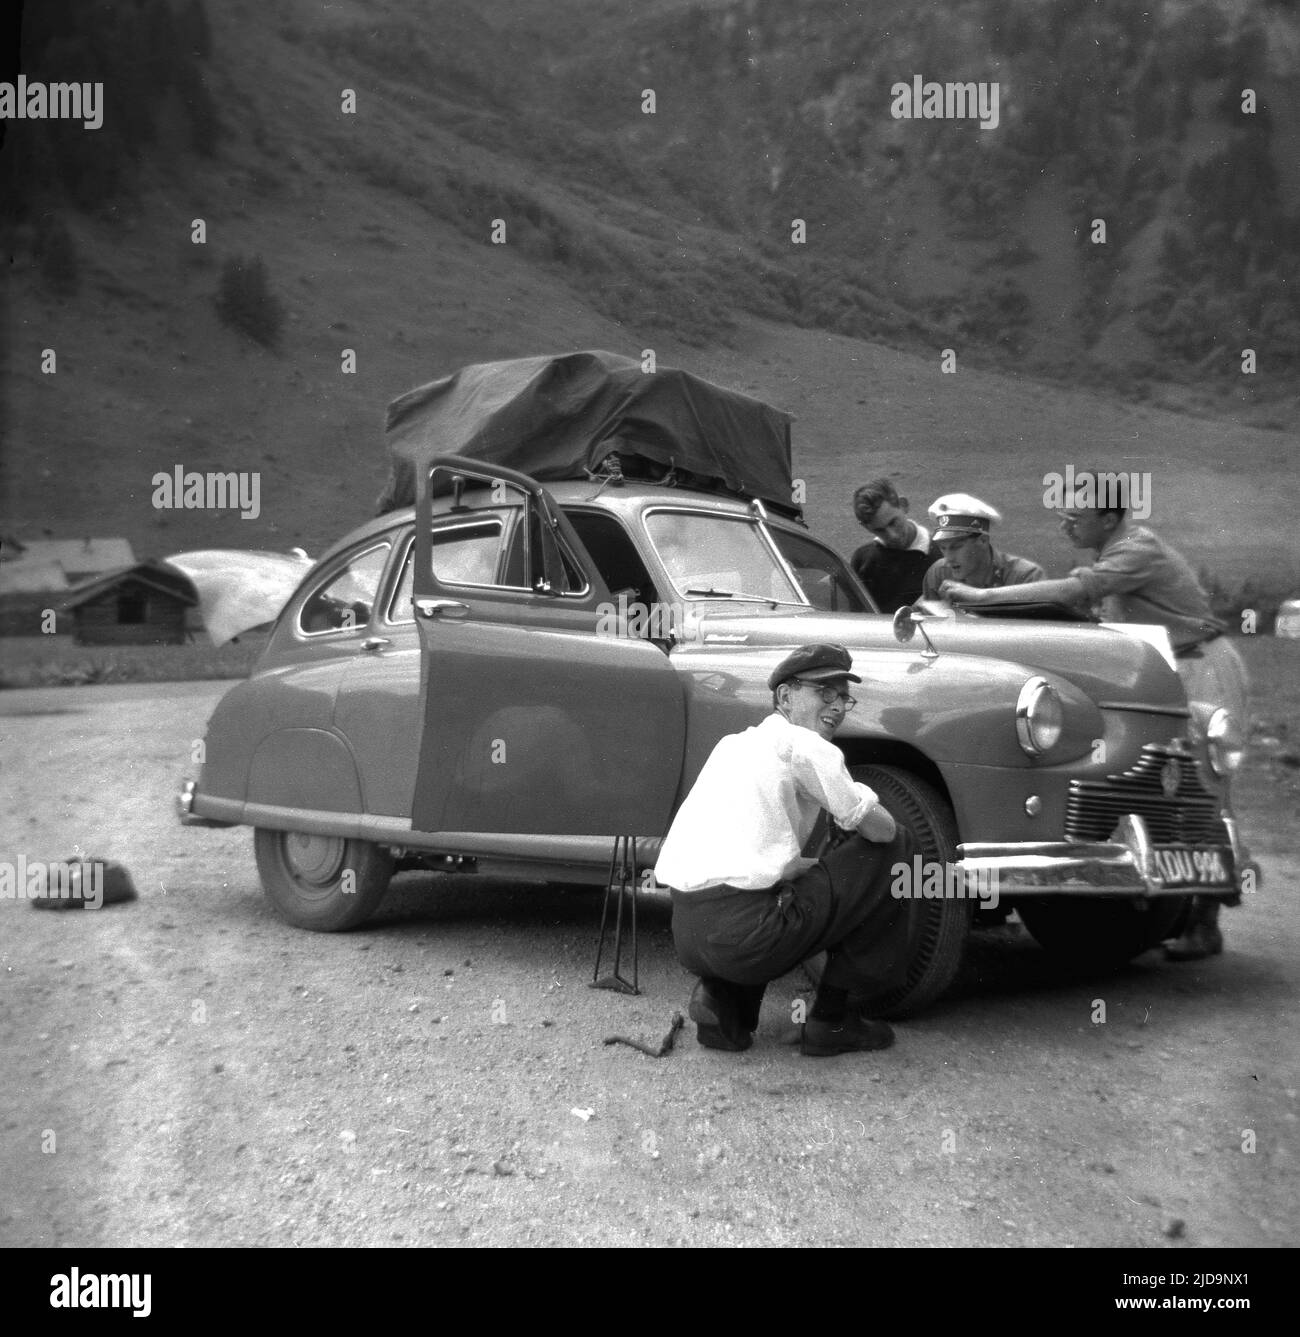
x=1137, y=577
x=748, y=906
x=962, y=526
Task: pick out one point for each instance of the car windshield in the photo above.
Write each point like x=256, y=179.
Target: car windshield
x=719, y=557
x=821, y=575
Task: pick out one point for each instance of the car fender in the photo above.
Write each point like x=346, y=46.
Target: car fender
x=949, y=709
x=299, y=698
x=304, y=768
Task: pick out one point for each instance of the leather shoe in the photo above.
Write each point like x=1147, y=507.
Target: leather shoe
x=717, y=1017
x=1200, y=940
x=821, y=1039
x=751, y=1004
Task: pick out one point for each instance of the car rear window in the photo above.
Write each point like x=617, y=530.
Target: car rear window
x=345, y=599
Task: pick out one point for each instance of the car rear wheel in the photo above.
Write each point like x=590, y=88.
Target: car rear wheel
x=943, y=925
x=1101, y=935
x=324, y=883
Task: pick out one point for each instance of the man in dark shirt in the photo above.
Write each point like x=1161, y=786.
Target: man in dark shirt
x=894, y=563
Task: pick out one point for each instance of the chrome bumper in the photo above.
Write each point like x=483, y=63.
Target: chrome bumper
x=1125, y=865
x=185, y=808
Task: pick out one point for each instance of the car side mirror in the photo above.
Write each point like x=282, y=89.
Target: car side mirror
x=907, y=621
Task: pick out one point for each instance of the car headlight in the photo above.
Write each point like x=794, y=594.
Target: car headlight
x=1039, y=716
x=1226, y=742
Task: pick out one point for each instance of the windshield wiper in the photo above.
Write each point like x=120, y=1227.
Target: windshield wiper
x=730, y=594
x=746, y=598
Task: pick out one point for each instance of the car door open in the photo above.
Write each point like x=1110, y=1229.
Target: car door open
x=535, y=720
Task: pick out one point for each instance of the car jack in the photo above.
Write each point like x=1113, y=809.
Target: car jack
x=621, y=882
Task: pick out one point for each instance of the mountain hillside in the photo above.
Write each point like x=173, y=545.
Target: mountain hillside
x=373, y=219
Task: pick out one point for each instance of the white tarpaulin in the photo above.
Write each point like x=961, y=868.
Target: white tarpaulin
x=239, y=590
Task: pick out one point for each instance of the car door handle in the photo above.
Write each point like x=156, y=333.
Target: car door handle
x=375, y=643
x=433, y=607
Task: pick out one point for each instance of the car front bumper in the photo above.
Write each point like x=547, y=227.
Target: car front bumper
x=1128, y=864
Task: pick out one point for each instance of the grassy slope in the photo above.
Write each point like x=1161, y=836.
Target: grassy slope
x=148, y=378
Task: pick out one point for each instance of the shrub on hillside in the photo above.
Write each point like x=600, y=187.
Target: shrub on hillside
x=246, y=303
x=995, y=313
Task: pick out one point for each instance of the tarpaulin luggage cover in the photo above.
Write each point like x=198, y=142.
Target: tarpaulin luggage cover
x=558, y=417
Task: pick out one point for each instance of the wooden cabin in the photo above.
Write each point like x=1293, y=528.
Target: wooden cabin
x=146, y=604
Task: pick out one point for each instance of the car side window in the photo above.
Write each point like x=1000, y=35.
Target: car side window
x=614, y=555
x=463, y=554
x=345, y=599
x=821, y=574
x=573, y=579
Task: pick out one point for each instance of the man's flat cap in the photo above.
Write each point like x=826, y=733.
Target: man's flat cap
x=818, y=662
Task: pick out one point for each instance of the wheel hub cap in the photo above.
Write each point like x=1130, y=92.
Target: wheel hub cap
x=314, y=859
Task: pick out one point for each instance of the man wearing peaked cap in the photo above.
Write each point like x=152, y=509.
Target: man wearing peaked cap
x=963, y=526
x=748, y=906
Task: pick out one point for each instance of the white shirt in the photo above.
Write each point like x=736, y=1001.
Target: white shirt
x=754, y=805
x=920, y=540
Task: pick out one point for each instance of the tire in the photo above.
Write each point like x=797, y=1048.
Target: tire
x=944, y=925
x=304, y=877
x=1101, y=935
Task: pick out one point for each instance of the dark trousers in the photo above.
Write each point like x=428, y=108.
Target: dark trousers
x=842, y=906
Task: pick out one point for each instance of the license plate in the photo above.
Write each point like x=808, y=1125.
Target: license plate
x=1179, y=866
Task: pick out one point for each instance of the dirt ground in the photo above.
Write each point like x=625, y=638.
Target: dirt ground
x=188, y=1070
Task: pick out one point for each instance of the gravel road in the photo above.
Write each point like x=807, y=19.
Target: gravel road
x=188, y=1070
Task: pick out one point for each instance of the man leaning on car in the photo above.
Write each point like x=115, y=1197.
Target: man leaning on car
x=748, y=906
x=963, y=533
x=1137, y=577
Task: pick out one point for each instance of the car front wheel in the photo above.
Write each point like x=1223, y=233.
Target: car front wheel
x=943, y=925
x=323, y=883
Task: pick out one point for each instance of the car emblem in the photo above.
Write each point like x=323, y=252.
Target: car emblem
x=1171, y=776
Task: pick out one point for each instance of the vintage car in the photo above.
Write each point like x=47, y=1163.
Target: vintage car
x=525, y=666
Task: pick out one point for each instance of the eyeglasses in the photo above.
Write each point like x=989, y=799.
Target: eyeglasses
x=829, y=695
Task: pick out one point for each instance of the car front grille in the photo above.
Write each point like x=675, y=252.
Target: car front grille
x=1189, y=817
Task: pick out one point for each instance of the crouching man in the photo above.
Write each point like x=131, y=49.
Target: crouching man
x=748, y=907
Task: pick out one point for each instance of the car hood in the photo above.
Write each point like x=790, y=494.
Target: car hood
x=1110, y=666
